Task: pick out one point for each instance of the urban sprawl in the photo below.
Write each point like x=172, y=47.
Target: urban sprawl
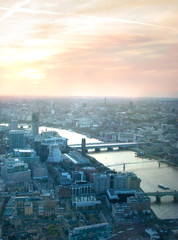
x=50, y=189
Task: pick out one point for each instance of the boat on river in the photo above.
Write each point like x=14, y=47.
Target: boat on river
x=163, y=186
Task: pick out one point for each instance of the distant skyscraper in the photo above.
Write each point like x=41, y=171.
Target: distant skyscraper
x=17, y=139
x=35, y=123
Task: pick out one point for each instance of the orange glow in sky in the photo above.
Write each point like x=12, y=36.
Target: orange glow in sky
x=89, y=48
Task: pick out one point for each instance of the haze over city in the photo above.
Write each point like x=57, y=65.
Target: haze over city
x=89, y=48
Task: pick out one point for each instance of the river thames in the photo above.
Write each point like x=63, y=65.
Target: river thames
x=148, y=171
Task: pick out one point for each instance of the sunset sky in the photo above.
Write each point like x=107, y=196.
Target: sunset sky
x=125, y=48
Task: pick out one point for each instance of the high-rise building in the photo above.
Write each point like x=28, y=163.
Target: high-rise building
x=17, y=139
x=54, y=153
x=35, y=123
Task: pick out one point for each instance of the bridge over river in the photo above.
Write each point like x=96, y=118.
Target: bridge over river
x=159, y=195
x=109, y=146
x=127, y=163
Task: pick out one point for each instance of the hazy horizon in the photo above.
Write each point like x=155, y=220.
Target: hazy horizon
x=98, y=48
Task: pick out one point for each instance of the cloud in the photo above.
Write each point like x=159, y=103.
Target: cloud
x=129, y=46
x=26, y=10
x=14, y=9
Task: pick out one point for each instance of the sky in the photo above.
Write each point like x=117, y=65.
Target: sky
x=124, y=48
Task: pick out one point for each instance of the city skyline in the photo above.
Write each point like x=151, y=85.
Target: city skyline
x=80, y=48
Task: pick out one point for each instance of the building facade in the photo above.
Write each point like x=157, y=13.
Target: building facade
x=16, y=139
x=15, y=171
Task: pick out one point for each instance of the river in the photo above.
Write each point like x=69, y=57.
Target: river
x=148, y=171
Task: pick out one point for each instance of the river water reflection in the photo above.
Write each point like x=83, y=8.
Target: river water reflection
x=149, y=171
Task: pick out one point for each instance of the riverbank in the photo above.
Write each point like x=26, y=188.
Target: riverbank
x=148, y=171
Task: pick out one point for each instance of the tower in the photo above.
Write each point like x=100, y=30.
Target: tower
x=83, y=146
x=35, y=123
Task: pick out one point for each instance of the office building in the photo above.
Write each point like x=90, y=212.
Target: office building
x=81, y=188
x=27, y=155
x=17, y=139
x=15, y=171
x=54, y=154
x=101, y=182
x=119, y=181
x=133, y=181
x=116, y=181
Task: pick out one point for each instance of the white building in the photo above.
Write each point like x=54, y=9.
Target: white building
x=54, y=153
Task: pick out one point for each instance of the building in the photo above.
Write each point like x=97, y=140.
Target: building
x=117, y=196
x=28, y=208
x=82, y=196
x=85, y=202
x=40, y=172
x=54, y=153
x=88, y=171
x=58, y=139
x=93, y=232
x=17, y=139
x=64, y=178
x=119, y=181
x=65, y=191
x=10, y=209
x=14, y=124
x=81, y=188
x=139, y=203
x=78, y=176
x=119, y=211
x=133, y=181
x=101, y=182
x=27, y=155
x=44, y=152
x=116, y=181
x=126, y=137
x=36, y=145
x=15, y=171
x=35, y=123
